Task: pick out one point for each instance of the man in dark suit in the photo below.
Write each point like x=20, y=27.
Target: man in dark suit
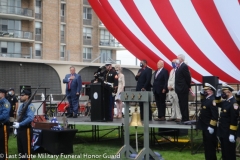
x=182, y=86
x=143, y=79
x=73, y=87
x=160, y=89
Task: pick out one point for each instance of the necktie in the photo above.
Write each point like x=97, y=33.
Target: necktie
x=69, y=83
x=157, y=73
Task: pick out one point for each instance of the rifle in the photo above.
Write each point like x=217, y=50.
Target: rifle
x=25, y=105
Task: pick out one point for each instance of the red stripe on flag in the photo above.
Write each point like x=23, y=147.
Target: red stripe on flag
x=176, y=29
x=133, y=11
x=209, y=15
x=116, y=31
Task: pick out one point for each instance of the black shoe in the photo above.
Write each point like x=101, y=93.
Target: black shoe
x=75, y=116
x=70, y=115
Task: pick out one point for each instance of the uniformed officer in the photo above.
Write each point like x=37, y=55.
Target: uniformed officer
x=208, y=121
x=4, y=124
x=238, y=101
x=24, y=128
x=111, y=83
x=228, y=121
x=12, y=99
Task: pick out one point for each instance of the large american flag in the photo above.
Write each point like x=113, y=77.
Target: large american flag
x=207, y=32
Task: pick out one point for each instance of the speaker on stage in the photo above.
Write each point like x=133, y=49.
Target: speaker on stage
x=213, y=80
x=97, y=102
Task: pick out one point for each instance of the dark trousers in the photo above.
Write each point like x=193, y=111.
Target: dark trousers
x=183, y=104
x=4, y=134
x=228, y=149
x=141, y=110
x=73, y=104
x=24, y=139
x=161, y=104
x=210, y=145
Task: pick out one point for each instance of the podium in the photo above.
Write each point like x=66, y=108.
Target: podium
x=97, y=102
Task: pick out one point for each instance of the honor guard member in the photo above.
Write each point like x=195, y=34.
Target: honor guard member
x=238, y=101
x=110, y=77
x=208, y=121
x=228, y=120
x=24, y=128
x=4, y=124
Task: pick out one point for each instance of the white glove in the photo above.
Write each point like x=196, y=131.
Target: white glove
x=219, y=92
x=202, y=91
x=238, y=92
x=231, y=138
x=210, y=129
x=15, y=132
x=16, y=125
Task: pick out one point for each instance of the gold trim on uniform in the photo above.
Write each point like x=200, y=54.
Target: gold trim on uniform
x=213, y=122
x=6, y=105
x=232, y=127
x=204, y=107
x=218, y=101
x=224, y=110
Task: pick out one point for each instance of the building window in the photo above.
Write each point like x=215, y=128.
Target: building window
x=38, y=50
x=87, y=13
x=105, y=37
x=10, y=25
x=106, y=55
x=62, y=51
x=10, y=47
x=38, y=9
x=38, y=31
x=62, y=33
x=87, y=33
x=87, y=53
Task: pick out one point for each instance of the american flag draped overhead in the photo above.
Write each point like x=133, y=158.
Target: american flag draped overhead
x=207, y=32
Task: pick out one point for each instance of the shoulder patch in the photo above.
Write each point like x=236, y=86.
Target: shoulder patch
x=6, y=105
x=235, y=106
x=116, y=77
x=214, y=103
x=32, y=108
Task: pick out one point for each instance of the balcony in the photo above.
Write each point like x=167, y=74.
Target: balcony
x=38, y=15
x=113, y=43
x=16, y=35
x=63, y=19
x=26, y=52
x=16, y=12
x=87, y=42
x=62, y=39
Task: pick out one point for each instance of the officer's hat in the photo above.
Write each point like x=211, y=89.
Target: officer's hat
x=227, y=87
x=209, y=86
x=11, y=89
x=108, y=63
x=3, y=91
x=25, y=92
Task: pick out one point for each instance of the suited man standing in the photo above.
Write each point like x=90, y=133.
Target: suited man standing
x=160, y=89
x=73, y=87
x=143, y=79
x=182, y=86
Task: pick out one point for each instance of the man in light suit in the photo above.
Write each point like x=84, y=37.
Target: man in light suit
x=182, y=86
x=143, y=79
x=73, y=87
x=160, y=89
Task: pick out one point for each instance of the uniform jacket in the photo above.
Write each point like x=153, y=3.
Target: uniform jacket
x=76, y=84
x=209, y=113
x=28, y=116
x=161, y=81
x=182, y=79
x=144, y=79
x=4, y=110
x=228, y=119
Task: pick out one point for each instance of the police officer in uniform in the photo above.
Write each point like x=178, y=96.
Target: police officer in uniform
x=238, y=101
x=208, y=121
x=110, y=77
x=12, y=99
x=228, y=121
x=4, y=124
x=24, y=128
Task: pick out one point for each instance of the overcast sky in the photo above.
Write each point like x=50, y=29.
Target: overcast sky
x=127, y=58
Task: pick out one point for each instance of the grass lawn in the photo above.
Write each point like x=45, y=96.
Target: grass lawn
x=84, y=147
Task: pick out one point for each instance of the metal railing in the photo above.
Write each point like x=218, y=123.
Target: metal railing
x=62, y=19
x=38, y=37
x=16, y=34
x=87, y=42
x=87, y=22
x=16, y=10
x=26, y=52
x=62, y=39
x=111, y=43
